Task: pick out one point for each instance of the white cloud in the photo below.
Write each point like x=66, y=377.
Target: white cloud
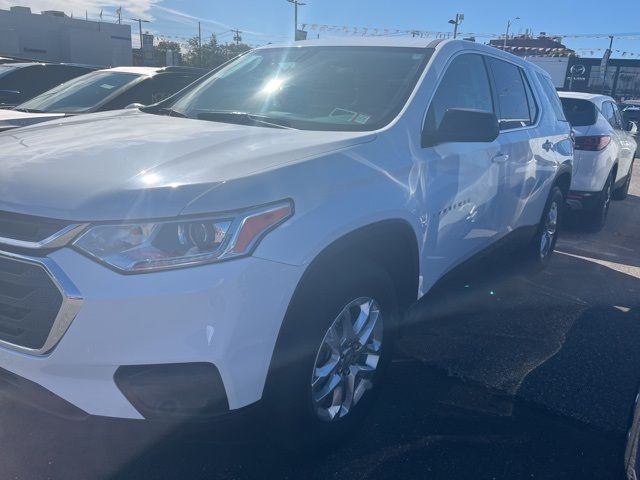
x=79, y=7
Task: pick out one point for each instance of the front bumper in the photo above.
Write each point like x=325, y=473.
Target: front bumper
x=227, y=314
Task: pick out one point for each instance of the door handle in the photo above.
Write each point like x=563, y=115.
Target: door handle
x=547, y=145
x=500, y=158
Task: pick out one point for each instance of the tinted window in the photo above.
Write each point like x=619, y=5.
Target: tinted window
x=531, y=100
x=166, y=84
x=580, y=113
x=61, y=73
x=609, y=113
x=313, y=88
x=464, y=85
x=27, y=81
x=618, y=115
x=552, y=94
x=513, y=103
x=150, y=91
x=82, y=93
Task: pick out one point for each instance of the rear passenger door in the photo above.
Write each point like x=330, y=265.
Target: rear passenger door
x=527, y=155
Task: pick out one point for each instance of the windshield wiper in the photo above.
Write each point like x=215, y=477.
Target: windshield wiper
x=244, y=118
x=29, y=110
x=167, y=111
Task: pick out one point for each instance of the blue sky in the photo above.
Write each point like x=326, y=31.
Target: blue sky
x=272, y=20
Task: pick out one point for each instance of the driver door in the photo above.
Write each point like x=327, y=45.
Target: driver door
x=462, y=181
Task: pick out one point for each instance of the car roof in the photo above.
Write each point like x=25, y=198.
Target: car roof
x=408, y=42
x=359, y=42
x=151, y=71
x=23, y=64
x=31, y=64
x=592, y=97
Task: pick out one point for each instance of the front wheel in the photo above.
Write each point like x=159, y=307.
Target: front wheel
x=334, y=343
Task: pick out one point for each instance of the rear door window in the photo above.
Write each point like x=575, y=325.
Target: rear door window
x=516, y=106
x=580, y=113
x=465, y=85
x=610, y=114
x=618, y=115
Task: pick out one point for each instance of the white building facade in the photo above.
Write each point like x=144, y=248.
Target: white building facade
x=54, y=37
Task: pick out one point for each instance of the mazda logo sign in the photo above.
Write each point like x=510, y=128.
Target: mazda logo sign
x=578, y=70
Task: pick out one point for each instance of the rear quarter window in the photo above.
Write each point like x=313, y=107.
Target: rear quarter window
x=579, y=113
x=552, y=94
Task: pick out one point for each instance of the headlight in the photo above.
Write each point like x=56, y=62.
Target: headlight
x=148, y=246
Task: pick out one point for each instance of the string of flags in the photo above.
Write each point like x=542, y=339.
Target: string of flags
x=622, y=53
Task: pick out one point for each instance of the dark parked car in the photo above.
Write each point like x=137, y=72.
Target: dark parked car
x=20, y=82
x=99, y=91
x=631, y=113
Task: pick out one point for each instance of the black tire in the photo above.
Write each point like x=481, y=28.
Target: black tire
x=623, y=191
x=596, y=218
x=539, y=251
x=316, y=304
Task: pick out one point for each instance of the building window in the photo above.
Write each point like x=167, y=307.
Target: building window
x=628, y=82
x=596, y=83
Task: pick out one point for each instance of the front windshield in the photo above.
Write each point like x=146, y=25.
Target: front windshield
x=314, y=88
x=80, y=94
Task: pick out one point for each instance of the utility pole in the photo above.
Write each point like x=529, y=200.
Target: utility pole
x=506, y=35
x=456, y=23
x=119, y=12
x=605, y=64
x=200, y=43
x=140, y=21
x=237, y=38
x=296, y=3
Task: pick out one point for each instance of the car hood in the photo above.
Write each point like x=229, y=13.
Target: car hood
x=130, y=164
x=14, y=119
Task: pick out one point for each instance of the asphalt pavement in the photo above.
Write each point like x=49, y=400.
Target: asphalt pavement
x=502, y=375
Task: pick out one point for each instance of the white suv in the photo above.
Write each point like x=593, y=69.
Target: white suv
x=605, y=150
x=257, y=236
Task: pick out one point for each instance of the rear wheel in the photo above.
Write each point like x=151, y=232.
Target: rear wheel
x=334, y=343
x=597, y=218
x=622, y=192
x=543, y=243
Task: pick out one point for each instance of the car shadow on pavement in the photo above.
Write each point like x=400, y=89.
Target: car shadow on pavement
x=617, y=243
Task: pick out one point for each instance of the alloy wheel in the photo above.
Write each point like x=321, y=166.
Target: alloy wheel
x=607, y=201
x=549, y=231
x=347, y=359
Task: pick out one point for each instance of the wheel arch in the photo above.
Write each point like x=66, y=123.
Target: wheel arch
x=391, y=244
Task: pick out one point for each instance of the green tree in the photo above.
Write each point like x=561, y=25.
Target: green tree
x=211, y=54
x=161, y=51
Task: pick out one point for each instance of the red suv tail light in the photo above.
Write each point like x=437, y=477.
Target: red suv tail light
x=593, y=143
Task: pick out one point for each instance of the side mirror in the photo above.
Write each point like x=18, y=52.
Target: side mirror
x=463, y=125
x=632, y=128
x=133, y=106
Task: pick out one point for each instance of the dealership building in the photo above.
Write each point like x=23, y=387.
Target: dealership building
x=54, y=37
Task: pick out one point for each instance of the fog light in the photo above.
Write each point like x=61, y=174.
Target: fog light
x=173, y=390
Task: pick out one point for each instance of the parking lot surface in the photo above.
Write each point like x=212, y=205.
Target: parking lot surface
x=500, y=375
